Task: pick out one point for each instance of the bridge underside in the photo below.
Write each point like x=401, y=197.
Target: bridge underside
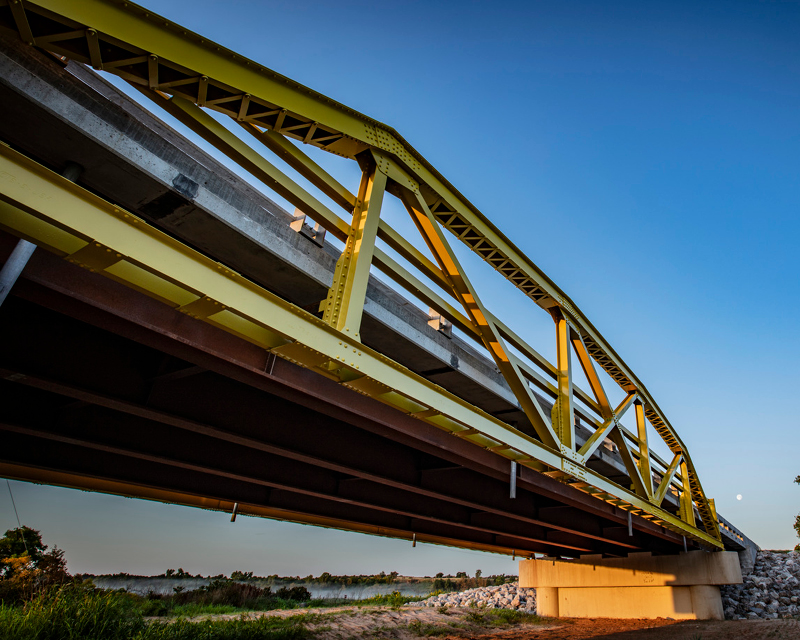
x=107, y=389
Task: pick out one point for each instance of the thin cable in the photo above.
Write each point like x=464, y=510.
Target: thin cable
x=19, y=524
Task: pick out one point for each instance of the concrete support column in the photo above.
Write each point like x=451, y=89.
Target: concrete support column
x=547, y=602
x=639, y=586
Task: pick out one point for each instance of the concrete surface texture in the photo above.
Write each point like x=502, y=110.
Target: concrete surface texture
x=639, y=586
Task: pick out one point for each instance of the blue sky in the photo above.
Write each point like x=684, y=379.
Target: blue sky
x=643, y=154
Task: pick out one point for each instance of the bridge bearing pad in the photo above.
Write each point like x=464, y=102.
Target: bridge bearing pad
x=682, y=587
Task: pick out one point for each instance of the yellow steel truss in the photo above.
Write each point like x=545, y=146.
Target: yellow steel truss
x=184, y=72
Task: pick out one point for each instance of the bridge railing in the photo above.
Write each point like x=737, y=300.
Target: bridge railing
x=186, y=75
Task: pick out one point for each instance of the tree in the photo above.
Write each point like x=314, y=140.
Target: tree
x=26, y=567
x=19, y=542
x=797, y=520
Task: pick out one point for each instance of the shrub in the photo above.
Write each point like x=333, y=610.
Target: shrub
x=297, y=594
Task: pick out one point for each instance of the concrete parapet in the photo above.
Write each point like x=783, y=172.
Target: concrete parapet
x=685, y=586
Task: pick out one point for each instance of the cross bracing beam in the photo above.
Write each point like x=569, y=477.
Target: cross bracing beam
x=104, y=238
x=162, y=58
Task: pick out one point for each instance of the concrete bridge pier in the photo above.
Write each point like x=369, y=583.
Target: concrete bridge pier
x=684, y=587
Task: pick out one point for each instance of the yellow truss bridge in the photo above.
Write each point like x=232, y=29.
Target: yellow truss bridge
x=566, y=447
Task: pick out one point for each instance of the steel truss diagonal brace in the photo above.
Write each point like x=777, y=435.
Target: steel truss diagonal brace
x=589, y=371
x=618, y=438
x=465, y=293
x=663, y=487
x=596, y=439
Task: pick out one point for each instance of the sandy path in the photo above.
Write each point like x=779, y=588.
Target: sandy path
x=410, y=623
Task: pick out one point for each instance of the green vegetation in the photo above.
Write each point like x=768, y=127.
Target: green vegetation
x=501, y=617
x=221, y=596
x=76, y=612
x=394, y=599
x=39, y=600
x=797, y=520
x=265, y=628
x=26, y=567
x=71, y=611
x=427, y=629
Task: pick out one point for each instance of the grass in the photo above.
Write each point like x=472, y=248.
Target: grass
x=80, y=612
x=171, y=609
x=264, y=628
x=501, y=617
x=70, y=612
x=394, y=600
x=77, y=613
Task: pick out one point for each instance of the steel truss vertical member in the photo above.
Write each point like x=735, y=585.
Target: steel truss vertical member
x=13, y=267
x=345, y=303
x=687, y=505
x=563, y=412
x=478, y=315
x=644, y=447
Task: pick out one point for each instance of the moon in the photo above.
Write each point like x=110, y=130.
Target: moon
x=739, y=496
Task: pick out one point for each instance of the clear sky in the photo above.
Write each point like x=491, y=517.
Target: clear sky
x=644, y=154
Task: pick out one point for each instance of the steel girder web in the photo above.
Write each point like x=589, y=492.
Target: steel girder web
x=99, y=302
x=158, y=55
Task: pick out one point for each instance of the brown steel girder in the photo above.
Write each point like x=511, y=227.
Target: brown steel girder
x=587, y=524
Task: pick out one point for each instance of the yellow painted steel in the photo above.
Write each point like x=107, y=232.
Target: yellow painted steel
x=563, y=412
x=44, y=207
x=585, y=360
x=163, y=59
x=345, y=302
x=478, y=315
x=644, y=449
x=666, y=481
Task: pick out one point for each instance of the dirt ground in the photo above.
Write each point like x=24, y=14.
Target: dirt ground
x=409, y=623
